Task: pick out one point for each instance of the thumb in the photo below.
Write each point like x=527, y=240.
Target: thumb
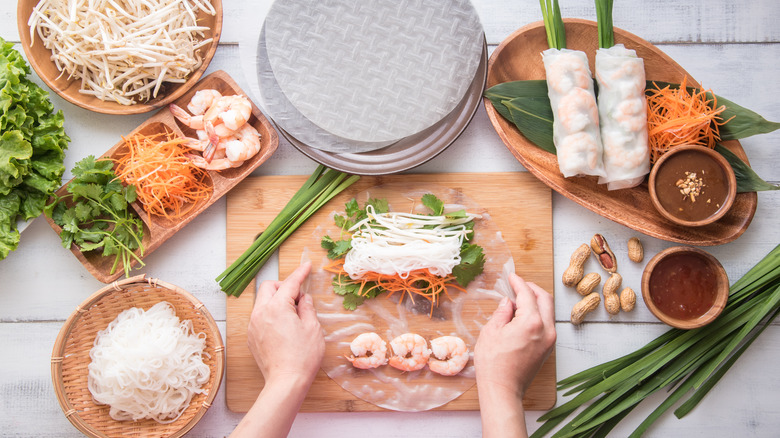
x=306, y=309
x=503, y=314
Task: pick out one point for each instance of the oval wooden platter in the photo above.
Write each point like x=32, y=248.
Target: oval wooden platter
x=39, y=58
x=159, y=229
x=519, y=58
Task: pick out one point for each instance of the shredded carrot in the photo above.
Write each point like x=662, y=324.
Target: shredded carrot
x=677, y=117
x=419, y=283
x=166, y=182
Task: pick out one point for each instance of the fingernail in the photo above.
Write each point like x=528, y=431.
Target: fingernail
x=504, y=302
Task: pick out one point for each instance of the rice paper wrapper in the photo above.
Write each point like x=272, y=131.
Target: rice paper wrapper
x=623, y=117
x=575, y=114
x=463, y=315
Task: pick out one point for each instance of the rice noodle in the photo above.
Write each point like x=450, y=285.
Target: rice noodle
x=122, y=50
x=399, y=243
x=147, y=365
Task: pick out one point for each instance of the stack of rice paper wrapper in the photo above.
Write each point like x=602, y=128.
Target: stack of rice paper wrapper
x=351, y=77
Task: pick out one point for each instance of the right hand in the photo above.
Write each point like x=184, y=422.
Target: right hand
x=284, y=334
x=514, y=344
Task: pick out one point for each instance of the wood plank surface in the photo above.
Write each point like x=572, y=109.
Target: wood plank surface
x=518, y=203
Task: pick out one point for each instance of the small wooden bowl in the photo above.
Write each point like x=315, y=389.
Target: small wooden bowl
x=39, y=58
x=721, y=292
x=706, y=154
x=70, y=357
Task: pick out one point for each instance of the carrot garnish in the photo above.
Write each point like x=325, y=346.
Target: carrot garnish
x=418, y=283
x=677, y=117
x=167, y=183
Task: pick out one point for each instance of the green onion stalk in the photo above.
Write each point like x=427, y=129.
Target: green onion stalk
x=320, y=188
x=553, y=24
x=604, y=19
x=689, y=362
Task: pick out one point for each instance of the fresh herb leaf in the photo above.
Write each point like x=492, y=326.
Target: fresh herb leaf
x=336, y=248
x=95, y=214
x=352, y=208
x=472, y=262
x=351, y=302
x=433, y=203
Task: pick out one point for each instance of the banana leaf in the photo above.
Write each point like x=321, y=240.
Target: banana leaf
x=527, y=106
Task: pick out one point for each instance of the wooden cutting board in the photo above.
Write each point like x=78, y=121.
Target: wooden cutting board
x=520, y=205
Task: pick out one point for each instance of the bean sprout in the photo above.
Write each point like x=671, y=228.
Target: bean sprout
x=122, y=50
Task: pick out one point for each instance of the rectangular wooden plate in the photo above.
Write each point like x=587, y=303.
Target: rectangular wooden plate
x=159, y=229
x=519, y=204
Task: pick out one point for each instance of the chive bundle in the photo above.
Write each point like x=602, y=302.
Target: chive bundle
x=686, y=359
x=553, y=24
x=320, y=188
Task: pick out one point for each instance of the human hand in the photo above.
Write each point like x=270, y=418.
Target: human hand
x=514, y=344
x=284, y=334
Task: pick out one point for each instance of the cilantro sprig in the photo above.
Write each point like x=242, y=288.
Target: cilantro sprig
x=95, y=214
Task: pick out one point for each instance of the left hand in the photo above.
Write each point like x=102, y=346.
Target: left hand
x=284, y=334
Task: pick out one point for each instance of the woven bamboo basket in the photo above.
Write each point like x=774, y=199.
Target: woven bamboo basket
x=70, y=357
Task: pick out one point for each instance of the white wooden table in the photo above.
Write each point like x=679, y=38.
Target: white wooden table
x=728, y=46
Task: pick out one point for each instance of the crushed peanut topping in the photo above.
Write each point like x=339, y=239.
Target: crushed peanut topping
x=691, y=186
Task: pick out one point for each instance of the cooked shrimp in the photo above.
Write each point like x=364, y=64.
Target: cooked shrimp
x=369, y=350
x=577, y=149
x=197, y=122
x=450, y=355
x=567, y=72
x=230, y=111
x=577, y=110
x=631, y=115
x=202, y=101
x=245, y=144
x=215, y=164
x=410, y=352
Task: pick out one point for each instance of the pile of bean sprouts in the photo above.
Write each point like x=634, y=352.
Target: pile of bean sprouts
x=147, y=365
x=122, y=50
x=399, y=243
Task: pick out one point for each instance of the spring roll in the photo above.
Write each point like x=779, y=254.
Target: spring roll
x=623, y=116
x=575, y=114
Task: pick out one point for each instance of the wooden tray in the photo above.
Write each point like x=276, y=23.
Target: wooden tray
x=518, y=58
x=506, y=197
x=68, y=88
x=158, y=229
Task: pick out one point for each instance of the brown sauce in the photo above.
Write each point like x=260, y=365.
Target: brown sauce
x=683, y=286
x=711, y=191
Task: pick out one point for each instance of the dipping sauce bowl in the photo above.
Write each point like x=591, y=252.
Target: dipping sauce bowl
x=692, y=185
x=685, y=287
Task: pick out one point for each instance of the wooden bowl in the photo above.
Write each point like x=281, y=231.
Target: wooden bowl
x=158, y=229
x=518, y=58
x=70, y=357
x=721, y=287
x=39, y=58
x=707, y=154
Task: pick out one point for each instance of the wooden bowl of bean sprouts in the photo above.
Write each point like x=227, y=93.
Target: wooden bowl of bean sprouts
x=120, y=56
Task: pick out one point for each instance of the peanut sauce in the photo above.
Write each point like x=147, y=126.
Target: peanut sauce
x=691, y=186
x=683, y=286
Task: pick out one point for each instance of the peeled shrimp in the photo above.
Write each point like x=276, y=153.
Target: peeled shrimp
x=232, y=112
x=369, y=350
x=242, y=144
x=225, y=114
x=450, y=355
x=410, y=352
x=214, y=164
x=202, y=101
